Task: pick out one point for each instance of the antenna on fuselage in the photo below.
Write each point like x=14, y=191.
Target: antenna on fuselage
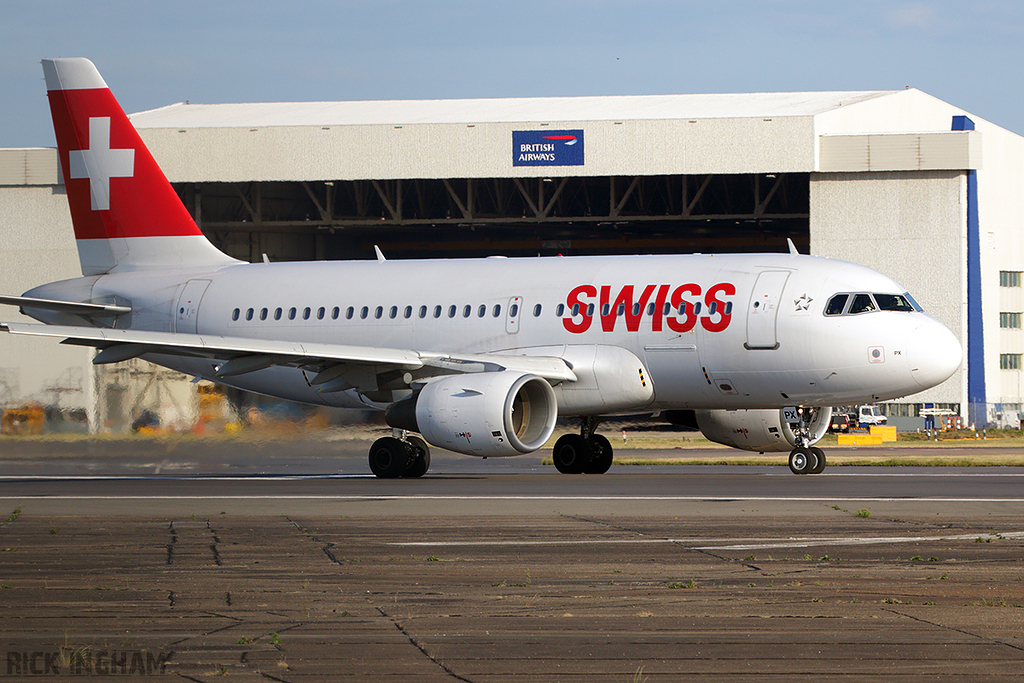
x=380, y=254
x=792, y=247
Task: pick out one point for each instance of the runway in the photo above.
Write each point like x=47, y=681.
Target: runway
x=286, y=562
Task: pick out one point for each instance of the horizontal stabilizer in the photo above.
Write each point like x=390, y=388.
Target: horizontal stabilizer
x=75, y=307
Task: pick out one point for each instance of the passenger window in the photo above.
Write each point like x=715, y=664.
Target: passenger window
x=650, y=309
x=590, y=310
x=277, y=313
x=466, y=310
x=263, y=314
x=836, y=304
x=452, y=310
x=437, y=311
x=378, y=312
x=291, y=313
x=408, y=311
x=862, y=303
x=320, y=313
x=349, y=312
x=636, y=309
x=335, y=312
x=622, y=310
x=248, y=314
x=559, y=310
x=696, y=308
x=728, y=308
x=497, y=310
x=423, y=311
x=713, y=308
x=364, y=312
x=667, y=309
x=536, y=311
x=606, y=309
x=482, y=311
x=393, y=313
x=234, y=314
x=305, y=313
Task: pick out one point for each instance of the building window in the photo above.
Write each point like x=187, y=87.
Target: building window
x=1009, y=321
x=1009, y=361
x=1009, y=278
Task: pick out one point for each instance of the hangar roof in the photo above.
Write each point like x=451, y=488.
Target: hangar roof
x=642, y=107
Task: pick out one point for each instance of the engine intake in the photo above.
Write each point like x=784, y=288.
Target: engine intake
x=487, y=414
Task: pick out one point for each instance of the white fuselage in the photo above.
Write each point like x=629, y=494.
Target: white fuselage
x=760, y=338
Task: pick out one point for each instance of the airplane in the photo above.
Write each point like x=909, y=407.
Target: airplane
x=477, y=356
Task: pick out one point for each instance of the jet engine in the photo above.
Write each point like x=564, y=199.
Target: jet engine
x=485, y=414
x=762, y=430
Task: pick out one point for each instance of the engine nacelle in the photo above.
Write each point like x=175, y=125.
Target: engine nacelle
x=485, y=414
x=759, y=430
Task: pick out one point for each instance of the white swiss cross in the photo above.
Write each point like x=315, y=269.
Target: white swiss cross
x=99, y=163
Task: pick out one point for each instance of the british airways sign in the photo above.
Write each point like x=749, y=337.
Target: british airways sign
x=547, y=148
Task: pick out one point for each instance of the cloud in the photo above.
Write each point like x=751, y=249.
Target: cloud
x=913, y=16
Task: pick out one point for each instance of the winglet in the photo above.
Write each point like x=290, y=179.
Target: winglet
x=380, y=254
x=792, y=247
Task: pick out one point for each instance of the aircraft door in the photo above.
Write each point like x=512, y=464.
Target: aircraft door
x=515, y=308
x=186, y=309
x=763, y=309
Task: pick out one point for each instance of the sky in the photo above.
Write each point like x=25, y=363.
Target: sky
x=156, y=53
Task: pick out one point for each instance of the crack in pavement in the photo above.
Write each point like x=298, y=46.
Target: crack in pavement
x=954, y=629
x=703, y=551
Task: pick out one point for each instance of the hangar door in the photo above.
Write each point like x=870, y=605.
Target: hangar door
x=763, y=310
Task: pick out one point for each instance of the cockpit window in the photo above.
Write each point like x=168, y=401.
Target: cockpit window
x=836, y=304
x=893, y=302
x=862, y=303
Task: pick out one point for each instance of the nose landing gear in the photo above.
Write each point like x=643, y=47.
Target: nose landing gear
x=807, y=459
x=803, y=460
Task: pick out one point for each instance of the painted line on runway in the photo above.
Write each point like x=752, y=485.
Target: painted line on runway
x=367, y=475
x=395, y=497
x=694, y=543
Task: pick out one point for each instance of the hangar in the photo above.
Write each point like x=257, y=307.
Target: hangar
x=897, y=180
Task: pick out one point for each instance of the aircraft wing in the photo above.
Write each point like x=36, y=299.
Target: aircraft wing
x=339, y=364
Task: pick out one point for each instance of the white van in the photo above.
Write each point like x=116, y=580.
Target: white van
x=869, y=415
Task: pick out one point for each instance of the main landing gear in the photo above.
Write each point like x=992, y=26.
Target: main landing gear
x=393, y=456
x=804, y=460
x=583, y=453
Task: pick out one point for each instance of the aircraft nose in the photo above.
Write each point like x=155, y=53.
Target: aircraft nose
x=934, y=354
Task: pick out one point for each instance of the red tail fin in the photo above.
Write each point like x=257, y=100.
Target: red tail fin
x=125, y=213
